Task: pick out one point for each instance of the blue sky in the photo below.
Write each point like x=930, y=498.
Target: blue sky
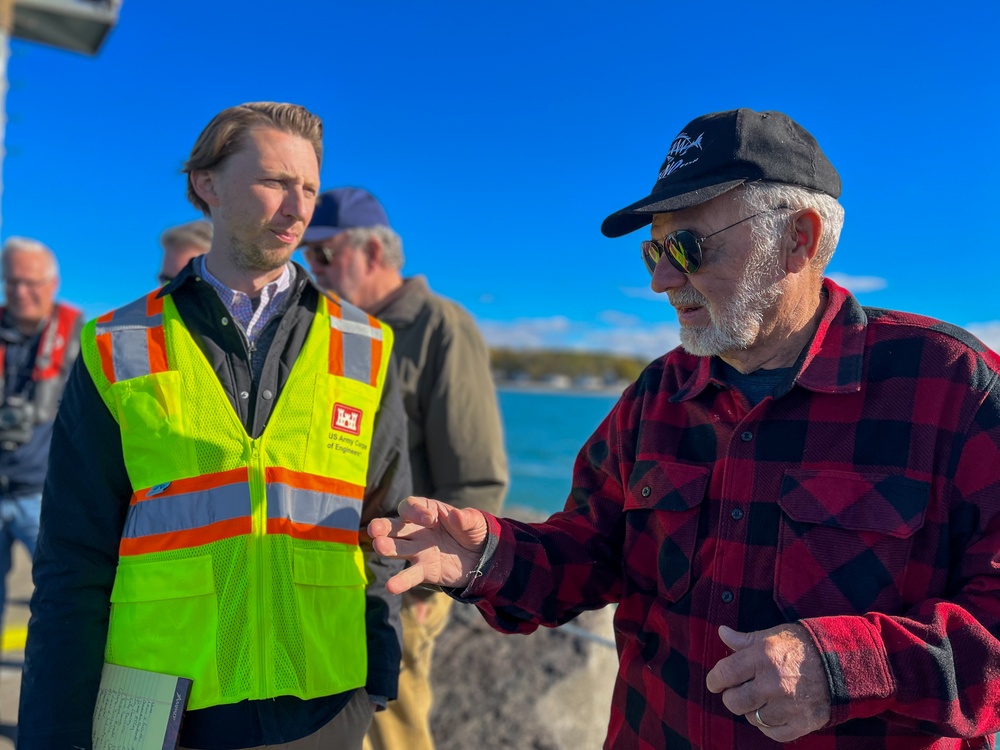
x=499, y=135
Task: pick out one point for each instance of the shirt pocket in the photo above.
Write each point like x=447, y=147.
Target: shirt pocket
x=662, y=508
x=844, y=541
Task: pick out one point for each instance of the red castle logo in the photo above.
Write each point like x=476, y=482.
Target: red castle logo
x=346, y=419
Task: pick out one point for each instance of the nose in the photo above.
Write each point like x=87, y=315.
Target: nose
x=666, y=277
x=299, y=204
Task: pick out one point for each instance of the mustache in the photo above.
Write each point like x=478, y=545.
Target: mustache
x=686, y=297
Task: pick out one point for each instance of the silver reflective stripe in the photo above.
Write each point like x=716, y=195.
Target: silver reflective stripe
x=114, y=326
x=313, y=508
x=191, y=510
x=360, y=329
x=129, y=345
x=357, y=344
x=130, y=353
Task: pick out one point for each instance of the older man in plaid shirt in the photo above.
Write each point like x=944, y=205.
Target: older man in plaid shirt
x=797, y=511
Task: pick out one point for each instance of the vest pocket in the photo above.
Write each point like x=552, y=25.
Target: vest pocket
x=330, y=594
x=844, y=541
x=662, y=507
x=155, y=429
x=164, y=618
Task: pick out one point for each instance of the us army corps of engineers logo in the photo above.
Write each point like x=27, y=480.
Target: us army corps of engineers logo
x=346, y=421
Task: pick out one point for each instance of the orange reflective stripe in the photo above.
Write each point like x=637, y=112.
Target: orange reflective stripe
x=104, y=346
x=174, y=540
x=312, y=533
x=154, y=304
x=303, y=481
x=336, y=341
x=192, y=484
x=376, y=353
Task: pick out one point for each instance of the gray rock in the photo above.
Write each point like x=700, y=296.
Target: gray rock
x=550, y=690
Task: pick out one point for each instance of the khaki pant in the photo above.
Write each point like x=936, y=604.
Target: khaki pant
x=405, y=724
x=345, y=731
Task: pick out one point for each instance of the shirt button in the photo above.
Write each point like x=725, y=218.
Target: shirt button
x=727, y=596
x=244, y=394
x=737, y=514
x=225, y=321
x=646, y=491
x=267, y=395
x=747, y=436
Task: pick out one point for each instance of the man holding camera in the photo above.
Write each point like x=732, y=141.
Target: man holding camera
x=39, y=340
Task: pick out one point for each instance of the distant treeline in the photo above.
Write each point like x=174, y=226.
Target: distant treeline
x=538, y=364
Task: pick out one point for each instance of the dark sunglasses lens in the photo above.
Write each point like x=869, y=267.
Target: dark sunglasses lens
x=319, y=254
x=683, y=251
x=651, y=253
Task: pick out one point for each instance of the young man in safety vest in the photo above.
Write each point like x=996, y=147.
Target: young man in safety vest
x=216, y=454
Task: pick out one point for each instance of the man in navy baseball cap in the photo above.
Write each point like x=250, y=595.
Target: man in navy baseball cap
x=343, y=208
x=455, y=436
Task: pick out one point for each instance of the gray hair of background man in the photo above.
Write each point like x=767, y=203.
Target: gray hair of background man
x=226, y=133
x=392, y=243
x=197, y=233
x=759, y=197
x=28, y=245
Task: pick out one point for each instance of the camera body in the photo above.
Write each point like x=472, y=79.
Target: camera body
x=17, y=419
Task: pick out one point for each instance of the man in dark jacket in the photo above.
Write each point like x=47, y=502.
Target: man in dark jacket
x=39, y=341
x=456, y=441
x=219, y=445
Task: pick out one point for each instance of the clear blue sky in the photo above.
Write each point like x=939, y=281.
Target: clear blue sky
x=499, y=135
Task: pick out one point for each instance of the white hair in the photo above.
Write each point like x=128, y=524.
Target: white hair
x=760, y=197
x=392, y=244
x=28, y=245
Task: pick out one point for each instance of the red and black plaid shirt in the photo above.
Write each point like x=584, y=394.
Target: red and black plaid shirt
x=863, y=501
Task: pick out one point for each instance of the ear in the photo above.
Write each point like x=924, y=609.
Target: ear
x=374, y=250
x=807, y=231
x=203, y=183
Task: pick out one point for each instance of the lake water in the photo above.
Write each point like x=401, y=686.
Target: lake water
x=543, y=431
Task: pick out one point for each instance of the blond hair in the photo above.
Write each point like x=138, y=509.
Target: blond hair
x=225, y=135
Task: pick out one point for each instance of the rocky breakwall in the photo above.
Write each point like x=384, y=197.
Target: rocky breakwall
x=550, y=690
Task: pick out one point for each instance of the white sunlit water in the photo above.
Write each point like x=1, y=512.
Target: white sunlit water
x=543, y=432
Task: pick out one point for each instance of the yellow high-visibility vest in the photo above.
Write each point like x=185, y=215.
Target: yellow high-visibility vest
x=239, y=565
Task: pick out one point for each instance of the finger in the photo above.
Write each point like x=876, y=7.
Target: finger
x=379, y=527
x=735, y=639
x=730, y=671
x=400, y=546
x=744, y=699
x=405, y=580
x=466, y=525
x=419, y=510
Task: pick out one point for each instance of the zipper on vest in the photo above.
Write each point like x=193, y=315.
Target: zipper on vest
x=258, y=502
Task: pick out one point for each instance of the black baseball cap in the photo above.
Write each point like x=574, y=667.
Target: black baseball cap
x=720, y=151
x=344, y=208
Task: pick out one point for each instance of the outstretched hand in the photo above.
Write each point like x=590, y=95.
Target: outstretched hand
x=443, y=543
x=775, y=678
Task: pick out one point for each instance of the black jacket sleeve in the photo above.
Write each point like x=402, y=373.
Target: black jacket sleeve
x=389, y=483
x=84, y=503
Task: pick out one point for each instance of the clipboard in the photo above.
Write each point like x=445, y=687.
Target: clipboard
x=138, y=710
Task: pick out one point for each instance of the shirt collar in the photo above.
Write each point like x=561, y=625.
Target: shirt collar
x=831, y=363
x=231, y=296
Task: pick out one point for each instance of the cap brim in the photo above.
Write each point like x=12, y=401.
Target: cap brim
x=640, y=213
x=320, y=234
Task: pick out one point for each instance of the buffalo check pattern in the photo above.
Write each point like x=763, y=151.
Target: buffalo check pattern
x=863, y=501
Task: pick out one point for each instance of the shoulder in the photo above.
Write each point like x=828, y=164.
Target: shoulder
x=909, y=344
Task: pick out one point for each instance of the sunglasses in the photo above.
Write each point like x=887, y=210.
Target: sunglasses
x=683, y=248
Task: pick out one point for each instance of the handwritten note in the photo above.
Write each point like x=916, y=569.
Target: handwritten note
x=138, y=710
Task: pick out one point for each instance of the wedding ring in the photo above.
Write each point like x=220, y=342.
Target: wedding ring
x=760, y=721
